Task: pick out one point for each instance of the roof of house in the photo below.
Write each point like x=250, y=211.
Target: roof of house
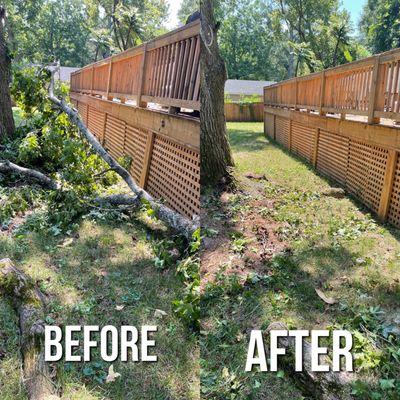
x=64, y=73
x=235, y=86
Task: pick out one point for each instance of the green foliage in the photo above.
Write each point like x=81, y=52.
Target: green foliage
x=380, y=25
x=243, y=100
x=188, y=270
x=188, y=7
x=117, y=25
x=49, y=142
x=280, y=39
x=78, y=32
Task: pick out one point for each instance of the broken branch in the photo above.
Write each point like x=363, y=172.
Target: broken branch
x=172, y=218
x=7, y=167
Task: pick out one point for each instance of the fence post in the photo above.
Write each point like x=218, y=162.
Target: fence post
x=387, y=184
x=147, y=159
x=87, y=114
x=316, y=143
x=274, y=132
x=290, y=134
x=142, y=75
x=297, y=93
x=103, y=138
x=373, y=92
x=322, y=94
x=92, y=81
x=109, y=79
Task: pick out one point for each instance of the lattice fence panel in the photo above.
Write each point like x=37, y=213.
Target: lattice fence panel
x=366, y=172
x=174, y=175
x=82, y=110
x=394, y=206
x=96, y=120
x=269, y=125
x=303, y=139
x=115, y=136
x=135, y=147
x=282, y=131
x=332, y=155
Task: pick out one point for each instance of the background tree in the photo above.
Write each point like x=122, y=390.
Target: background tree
x=78, y=32
x=127, y=22
x=247, y=40
x=188, y=7
x=293, y=37
x=216, y=157
x=380, y=25
x=7, y=126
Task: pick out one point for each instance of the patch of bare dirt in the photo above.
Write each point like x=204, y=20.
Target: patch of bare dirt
x=242, y=212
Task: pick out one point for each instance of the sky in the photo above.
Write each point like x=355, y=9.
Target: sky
x=174, y=6
x=355, y=8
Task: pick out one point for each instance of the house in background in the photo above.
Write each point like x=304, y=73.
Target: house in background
x=64, y=73
x=237, y=90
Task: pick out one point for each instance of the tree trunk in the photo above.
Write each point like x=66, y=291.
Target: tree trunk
x=216, y=156
x=27, y=300
x=7, y=125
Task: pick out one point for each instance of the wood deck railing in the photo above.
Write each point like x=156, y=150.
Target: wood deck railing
x=165, y=70
x=368, y=87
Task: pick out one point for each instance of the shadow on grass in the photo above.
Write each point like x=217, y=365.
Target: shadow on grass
x=110, y=265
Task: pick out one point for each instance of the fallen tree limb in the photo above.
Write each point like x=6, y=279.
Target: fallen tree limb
x=7, y=167
x=27, y=300
x=319, y=385
x=172, y=218
x=118, y=200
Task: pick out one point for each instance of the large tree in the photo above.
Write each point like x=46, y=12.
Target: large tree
x=380, y=25
x=216, y=157
x=7, y=126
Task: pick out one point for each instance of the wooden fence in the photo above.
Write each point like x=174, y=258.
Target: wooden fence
x=165, y=70
x=164, y=149
x=360, y=157
x=251, y=112
x=368, y=87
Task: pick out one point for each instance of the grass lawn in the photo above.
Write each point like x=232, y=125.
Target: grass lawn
x=271, y=243
x=103, y=273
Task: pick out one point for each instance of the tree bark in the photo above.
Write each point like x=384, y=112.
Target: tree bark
x=27, y=300
x=9, y=167
x=7, y=125
x=216, y=156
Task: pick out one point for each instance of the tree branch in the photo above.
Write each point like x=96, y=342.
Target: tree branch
x=8, y=166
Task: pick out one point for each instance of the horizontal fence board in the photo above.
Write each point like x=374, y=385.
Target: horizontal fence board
x=251, y=112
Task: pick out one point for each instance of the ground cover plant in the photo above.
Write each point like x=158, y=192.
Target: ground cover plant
x=96, y=264
x=281, y=234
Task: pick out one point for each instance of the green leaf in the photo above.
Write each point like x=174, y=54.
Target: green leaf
x=387, y=384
